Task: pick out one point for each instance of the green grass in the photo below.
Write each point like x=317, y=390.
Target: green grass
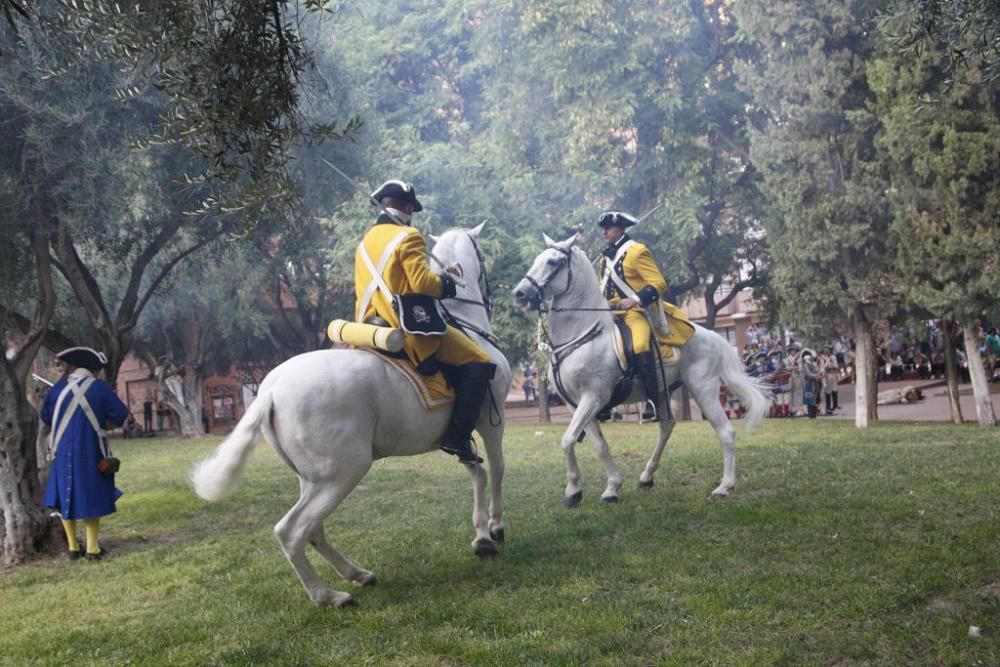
x=838, y=547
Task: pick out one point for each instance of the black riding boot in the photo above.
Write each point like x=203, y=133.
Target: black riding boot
x=836, y=400
x=470, y=388
x=645, y=366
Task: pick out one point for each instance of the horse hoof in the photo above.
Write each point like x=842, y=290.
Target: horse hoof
x=574, y=500
x=645, y=485
x=609, y=499
x=485, y=548
x=347, y=601
x=497, y=535
x=367, y=580
x=719, y=494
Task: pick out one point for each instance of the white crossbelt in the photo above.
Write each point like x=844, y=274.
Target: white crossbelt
x=657, y=319
x=61, y=417
x=377, y=281
x=610, y=273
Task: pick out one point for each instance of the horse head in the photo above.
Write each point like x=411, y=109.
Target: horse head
x=458, y=250
x=550, y=275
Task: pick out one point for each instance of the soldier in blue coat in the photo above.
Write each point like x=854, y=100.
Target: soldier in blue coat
x=80, y=485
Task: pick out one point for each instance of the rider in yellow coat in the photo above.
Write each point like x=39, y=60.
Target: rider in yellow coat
x=405, y=271
x=633, y=285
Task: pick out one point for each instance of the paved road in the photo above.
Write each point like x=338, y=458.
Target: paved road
x=934, y=407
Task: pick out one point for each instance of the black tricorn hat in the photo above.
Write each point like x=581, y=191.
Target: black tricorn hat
x=400, y=190
x=83, y=357
x=616, y=219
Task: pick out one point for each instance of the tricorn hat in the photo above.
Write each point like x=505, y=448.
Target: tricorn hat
x=809, y=353
x=616, y=219
x=400, y=190
x=774, y=352
x=83, y=357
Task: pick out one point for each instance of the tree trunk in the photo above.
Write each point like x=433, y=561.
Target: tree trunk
x=26, y=527
x=544, y=414
x=985, y=414
x=184, y=395
x=865, y=371
x=948, y=329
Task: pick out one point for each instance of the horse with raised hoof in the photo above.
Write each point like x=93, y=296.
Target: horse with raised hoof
x=586, y=370
x=329, y=414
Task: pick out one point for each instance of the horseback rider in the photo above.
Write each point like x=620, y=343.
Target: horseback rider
x=632, y=284
x=401, y=252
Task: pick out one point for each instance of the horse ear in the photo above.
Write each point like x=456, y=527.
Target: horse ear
x=434, y=238
x=475, y=231
x=571, y=241
x=548, y=242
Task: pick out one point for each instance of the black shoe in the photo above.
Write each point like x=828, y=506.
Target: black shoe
x=649, y=412
x=471, y=383
x=604, y=414
x=98, y=556
x=464, y=454
x=74, y=555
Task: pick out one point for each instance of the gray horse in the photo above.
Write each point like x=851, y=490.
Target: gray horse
x=329, y=414
x=588, y=371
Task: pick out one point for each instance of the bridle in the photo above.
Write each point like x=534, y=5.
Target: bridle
x=538, y=301
x=565, y=261
x=483, y=281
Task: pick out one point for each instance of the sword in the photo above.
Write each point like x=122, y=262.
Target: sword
x=382, y=209
x=39, y=378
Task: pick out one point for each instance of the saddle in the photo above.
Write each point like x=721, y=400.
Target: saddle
x=625, y=354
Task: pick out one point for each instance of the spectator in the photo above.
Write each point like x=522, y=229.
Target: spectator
x=130, y=427
x=993, y=354
x=753, y=335
x=161, y=413
x=530, y=394
x=831, y=379
x=147, y=415
x=922, y=364
x=810, y=382
x=896, y=367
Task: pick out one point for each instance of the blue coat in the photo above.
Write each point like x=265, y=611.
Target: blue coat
x=76, y=488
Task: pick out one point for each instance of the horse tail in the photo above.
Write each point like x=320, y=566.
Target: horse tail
x=219, y=474
x=749, y=390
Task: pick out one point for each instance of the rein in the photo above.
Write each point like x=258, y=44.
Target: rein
x=465, y=326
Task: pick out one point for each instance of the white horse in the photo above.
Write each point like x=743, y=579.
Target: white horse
x=586, y=369
x=329, y=414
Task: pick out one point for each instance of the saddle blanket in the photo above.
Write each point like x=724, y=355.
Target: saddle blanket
x=681, y=331
x=433, y=390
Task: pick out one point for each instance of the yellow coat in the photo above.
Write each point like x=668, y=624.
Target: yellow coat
x=639, y=271
x=406, y=272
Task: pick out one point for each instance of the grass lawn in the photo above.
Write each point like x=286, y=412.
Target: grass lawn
x=838, y=547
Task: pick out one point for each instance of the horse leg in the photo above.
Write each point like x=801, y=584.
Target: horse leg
x=345, y=567
x=666, y=428
x=493, y=440
x=301, y=523
x=582, y=415
x=716, y=416
x=483, y=545
x=600, y=445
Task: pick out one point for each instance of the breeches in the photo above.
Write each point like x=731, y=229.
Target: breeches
x=457, y=349
x=638, y=324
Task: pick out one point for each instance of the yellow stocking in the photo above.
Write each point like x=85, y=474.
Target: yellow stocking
x=92, y=526
x=69, y=525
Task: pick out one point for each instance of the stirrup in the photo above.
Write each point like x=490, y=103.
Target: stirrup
x=651, y=407
x=465, y=454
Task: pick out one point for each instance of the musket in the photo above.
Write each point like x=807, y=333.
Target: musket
x=385, y=211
